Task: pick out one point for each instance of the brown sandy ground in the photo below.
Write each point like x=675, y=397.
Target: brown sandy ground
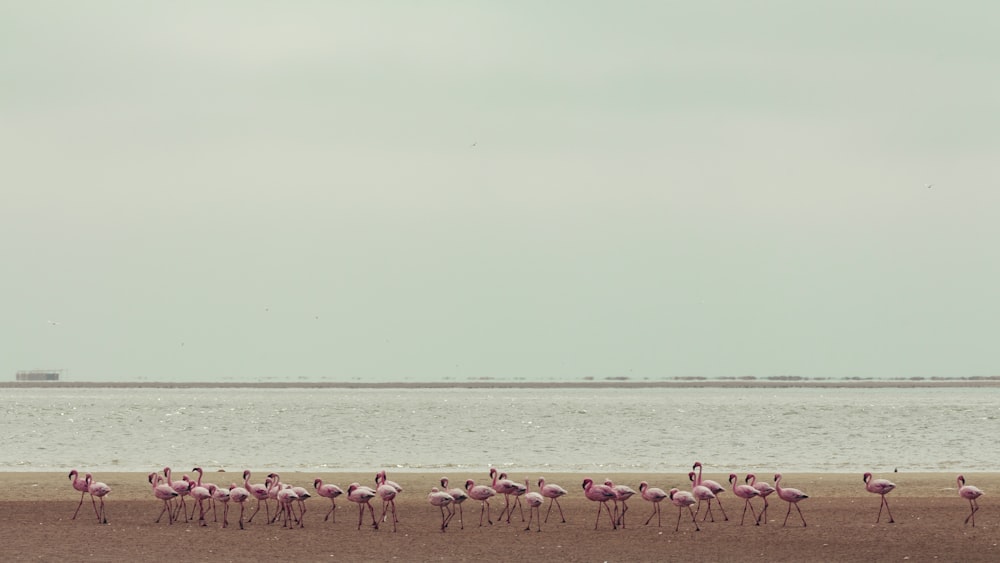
x=35, y=524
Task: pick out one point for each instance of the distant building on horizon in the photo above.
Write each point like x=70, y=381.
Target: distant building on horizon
x=39, y=375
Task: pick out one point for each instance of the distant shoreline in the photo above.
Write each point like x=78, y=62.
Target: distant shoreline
x=673, y=384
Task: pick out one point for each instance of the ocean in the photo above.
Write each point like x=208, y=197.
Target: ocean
x=456, y=429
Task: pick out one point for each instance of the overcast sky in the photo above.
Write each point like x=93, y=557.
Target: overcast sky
x=428, y=190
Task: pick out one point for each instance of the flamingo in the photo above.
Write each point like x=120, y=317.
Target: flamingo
x=362, y=496
x=258, y=492
x=481, y=493
x=535, y=500
x=163, y=492
x=654, y=495
x=969, y=493
x=552, y=492
x=519, y=491
x=301, y=494
x=791, y=496
x=458, y=496
x=387, y=493
x=601, y=494
x=622, y=493
x=764, y=489
x=505, y=487
x=99, y=490
x=207, y=486
x=701, y=493
x=239, y=495
x=331, y=492
x=441, y=499
x=220, y=494
x=716, y=489
x=745, y=492
x=880, y=487
x=680, y=499
x=200, y=494
x=286, y=496
x=79, y=485
x=182, y=487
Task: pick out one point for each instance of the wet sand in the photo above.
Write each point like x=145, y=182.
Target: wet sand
x=36, y=510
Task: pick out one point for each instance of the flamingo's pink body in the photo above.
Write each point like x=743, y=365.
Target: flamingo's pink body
x=387, y=492
x=763, y=489
x=220, y=494
x=182, y=488
x=716, y=489
x=601, y=494
x=622, y=494
x=163, y=492
x=504, y=486
x=200, y=494
x=552, y=492
x=458, y=496
x=362, y=496
x=654, y=495
x=745, y=492
x=99, y=490
x=208, y=487
x=791, y=496
x=441, y=499
x=969, y=493
x=238, y=495
x=880, y=487
x=259, y=492
x=535, y=500
x=701, y=493
x=682, y=499
x=482, y=493
x=78, y=485
x=331, y=492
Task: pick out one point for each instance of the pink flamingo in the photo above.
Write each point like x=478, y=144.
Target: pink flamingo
x=535, y=500
x=258, y=492
x=362, y=496
x=458, y=496
x=969, y=493
x=79, y=485
x=482, y=493
x=716, y=489
x=519, y=491
x=286, y=497
x=198, y=483
x=99, y=490
x=201, y=494
x=791, y=496
x=682, y=499
x=622, y=494
x=654, y=495
x=701, y=493
x=387, y=493
x=552, y=492
x=220, y=494
x=745, y=492
x=238, y=495
x=880, y=487
x=441, y=499
x=763, y=489
x=182, y=487
x=331, y=492
x=163, y=492
x=301, y=494
x=601, y=494
x=505, y=487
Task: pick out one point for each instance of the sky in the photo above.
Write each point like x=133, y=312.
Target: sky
x=446, y=190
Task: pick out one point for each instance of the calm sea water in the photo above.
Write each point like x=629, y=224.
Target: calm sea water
x=655, y=430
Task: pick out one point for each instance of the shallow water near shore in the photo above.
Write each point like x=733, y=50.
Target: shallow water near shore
x=559, y=429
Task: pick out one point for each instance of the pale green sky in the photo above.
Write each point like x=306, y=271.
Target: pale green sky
x=427, y=190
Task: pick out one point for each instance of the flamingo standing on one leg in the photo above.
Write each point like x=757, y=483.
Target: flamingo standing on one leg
x=763, y=489
x=880, y=487
x=682, y=499
x=238, y=495
x=362, y=496
x=716, y=489
x=79, y=485
x=331, y=492
x=654, y=495
x=552, y=492
x=482, y=493
x=535, y=500
x=791, y=496
x=701, y=493
x=441, y=499
x=745, y=492
x=163, y=492
x=622, y=494
x=969, y=493
x=601, y=494
x=458, y=496
x=99, y=490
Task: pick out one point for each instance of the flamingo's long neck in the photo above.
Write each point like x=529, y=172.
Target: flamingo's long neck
x=166, y=472
x=199, y=470
x=697, y=478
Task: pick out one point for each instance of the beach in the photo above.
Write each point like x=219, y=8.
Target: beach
x=36, y=525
